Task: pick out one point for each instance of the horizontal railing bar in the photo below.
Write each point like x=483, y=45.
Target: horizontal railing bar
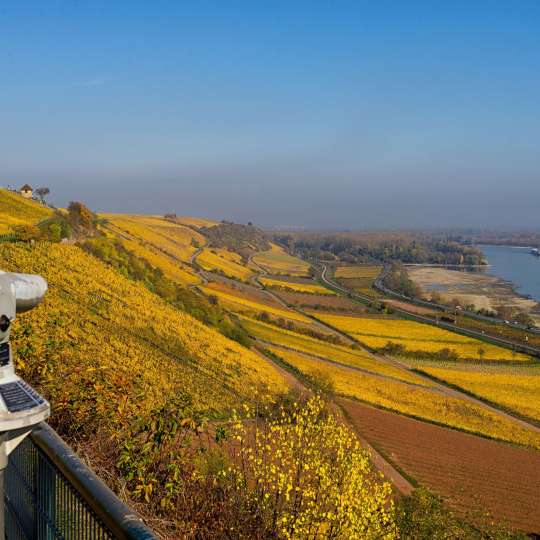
x=115, y=514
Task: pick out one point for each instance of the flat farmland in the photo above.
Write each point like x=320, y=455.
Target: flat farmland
x=468, y=471
x=430, y=404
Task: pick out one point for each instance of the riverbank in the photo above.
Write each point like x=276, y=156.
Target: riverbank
x=481, y=290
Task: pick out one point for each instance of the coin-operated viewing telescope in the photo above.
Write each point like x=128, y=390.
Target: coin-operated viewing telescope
x=21, y=407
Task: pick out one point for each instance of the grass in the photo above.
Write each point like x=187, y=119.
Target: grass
x=413, y=401
x=418, y=337
x=16, y=210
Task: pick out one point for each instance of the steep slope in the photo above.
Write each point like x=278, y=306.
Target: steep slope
x=164, y=244
x=107, y=352
x=16, y=210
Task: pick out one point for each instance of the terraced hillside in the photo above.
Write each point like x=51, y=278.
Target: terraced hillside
x=164, y=244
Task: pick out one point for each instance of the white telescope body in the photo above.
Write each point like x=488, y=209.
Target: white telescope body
x=28, y=290
x=20, y=405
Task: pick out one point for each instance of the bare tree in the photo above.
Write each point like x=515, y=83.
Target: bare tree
x=42, y=192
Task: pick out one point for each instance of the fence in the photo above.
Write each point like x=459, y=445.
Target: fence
x=50, y=494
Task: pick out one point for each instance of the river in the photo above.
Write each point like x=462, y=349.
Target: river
x=517, y=265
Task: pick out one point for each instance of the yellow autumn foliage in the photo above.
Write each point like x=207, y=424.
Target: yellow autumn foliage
x=104, y=349
x=335, y=353
x=513, y=388
x=422, y=403
x=414, y=336
x=228, y=263
x=349, y=272
x=276, y=261
x=241, y=304
x=311, y=478
x=16, y=210
x=310, y=288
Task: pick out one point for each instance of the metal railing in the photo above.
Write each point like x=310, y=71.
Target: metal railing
x=50, y=494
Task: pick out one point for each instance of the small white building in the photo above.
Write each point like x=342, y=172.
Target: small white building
x=26, y=191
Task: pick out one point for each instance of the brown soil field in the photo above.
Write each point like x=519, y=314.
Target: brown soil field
x=312, y=301
x=471, y=473
x=413, y=308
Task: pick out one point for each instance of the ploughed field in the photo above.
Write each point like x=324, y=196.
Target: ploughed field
x=468, y=471
x=317, y=302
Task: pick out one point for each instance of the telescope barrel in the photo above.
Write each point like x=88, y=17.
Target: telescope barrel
x=28, y=289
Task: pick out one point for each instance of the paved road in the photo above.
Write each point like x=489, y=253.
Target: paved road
x=441, y=324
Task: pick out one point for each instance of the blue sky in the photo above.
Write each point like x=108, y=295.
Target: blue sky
x=321, y=114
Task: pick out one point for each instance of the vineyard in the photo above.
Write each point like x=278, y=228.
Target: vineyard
x=425, y=404
x=104, y=350
x=330, y=351
x=163, y=244
x=225, y=262
x=358, y=272
x=16, y=210
x=516, y=388
x=241, y=304
x=116, y=360
x=469, y=472
x=419, y=338
x=278, y=262
x=301, y=287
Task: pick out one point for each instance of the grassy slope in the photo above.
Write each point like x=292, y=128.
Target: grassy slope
x=16, y=210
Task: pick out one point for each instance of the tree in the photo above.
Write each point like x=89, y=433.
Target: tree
x=81, y=217
x=524, y=319
x=55, y=232
x=42, y=192
x=27, y=233
x=481, y=353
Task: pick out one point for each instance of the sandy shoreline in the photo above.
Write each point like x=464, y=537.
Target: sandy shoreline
x=472, y=288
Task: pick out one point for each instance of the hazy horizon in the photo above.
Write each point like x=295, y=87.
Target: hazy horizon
x=347, y=115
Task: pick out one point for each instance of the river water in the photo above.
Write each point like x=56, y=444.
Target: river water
x=517, y=265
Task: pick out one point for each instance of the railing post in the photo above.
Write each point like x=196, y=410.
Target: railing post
x=46, y=487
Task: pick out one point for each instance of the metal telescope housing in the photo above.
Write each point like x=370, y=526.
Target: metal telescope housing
x=20, y=405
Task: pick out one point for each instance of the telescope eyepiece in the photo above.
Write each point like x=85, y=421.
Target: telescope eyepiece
x=5, y=323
